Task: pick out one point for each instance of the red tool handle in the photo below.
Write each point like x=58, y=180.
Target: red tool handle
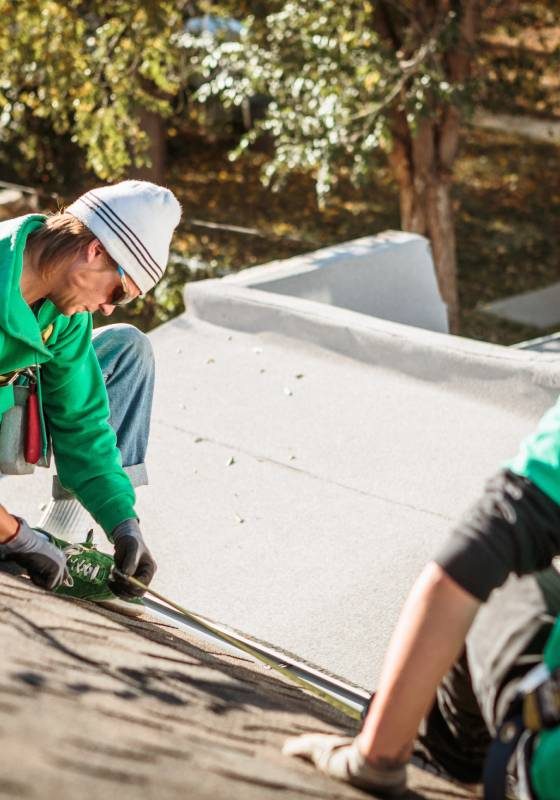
x=33, y=439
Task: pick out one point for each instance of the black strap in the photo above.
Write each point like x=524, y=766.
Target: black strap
x=500, y=752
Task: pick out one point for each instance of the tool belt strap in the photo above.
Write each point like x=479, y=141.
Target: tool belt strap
x=535, y=708
x=541, y=707
x=7, y=380
x=11, y=377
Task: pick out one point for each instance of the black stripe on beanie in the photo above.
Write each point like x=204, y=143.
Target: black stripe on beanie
x=123, y=236
x=134, y=236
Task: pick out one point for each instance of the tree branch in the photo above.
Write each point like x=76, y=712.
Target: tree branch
x=409, y=68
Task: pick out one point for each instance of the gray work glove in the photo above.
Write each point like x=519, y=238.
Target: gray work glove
x=44, y=562
x=132, y=557
x=339, y=757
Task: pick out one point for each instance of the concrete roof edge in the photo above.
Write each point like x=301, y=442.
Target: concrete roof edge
x=309, y=261
x=427, y=355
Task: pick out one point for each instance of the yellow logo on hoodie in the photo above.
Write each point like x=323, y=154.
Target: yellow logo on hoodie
x=45, y=335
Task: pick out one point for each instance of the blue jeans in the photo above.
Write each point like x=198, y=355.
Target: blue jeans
x=127, y=362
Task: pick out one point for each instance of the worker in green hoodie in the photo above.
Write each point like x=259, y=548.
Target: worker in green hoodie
x=83, y=387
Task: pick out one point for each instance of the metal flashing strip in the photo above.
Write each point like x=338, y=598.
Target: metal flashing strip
x=346, y=698
x=340, y=695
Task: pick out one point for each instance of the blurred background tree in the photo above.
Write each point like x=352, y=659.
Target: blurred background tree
x=319, y=88
x=84, y=75
x=346, y=79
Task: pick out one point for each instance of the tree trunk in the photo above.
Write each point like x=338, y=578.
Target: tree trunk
x=441, y=232
x=425, y=202
x=422, y=160
x=154, y=126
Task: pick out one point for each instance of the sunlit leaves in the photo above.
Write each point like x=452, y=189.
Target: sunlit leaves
x=332, y=81
x=87, y=69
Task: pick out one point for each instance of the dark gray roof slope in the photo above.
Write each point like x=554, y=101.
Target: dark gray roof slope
x=95, y=705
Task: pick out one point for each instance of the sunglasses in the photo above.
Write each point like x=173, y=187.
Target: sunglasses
x=121, y=294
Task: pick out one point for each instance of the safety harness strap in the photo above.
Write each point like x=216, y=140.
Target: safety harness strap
x=541, y=707
x=535, y=708
x=501, y=751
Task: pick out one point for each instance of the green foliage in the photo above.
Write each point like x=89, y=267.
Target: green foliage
x=85, y=70
x=332, y=78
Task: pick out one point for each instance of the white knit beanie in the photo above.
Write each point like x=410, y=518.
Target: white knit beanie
x=134, y=221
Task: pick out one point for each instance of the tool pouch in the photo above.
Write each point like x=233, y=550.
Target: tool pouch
x=20, y=433
x=33, y=438
x=12, y=436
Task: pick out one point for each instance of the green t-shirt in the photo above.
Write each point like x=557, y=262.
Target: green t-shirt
x=538, y=458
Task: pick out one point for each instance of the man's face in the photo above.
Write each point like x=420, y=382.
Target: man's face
x=89, y=283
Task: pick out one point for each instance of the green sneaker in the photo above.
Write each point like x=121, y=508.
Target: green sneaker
x=87, y=574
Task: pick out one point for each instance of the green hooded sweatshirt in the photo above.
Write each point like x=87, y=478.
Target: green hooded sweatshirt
x=74, y=397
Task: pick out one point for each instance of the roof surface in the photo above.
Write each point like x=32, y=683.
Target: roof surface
x=95, y=705
x=296, y=492
x=305, y=462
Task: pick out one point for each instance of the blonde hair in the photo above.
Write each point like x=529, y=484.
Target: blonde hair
x=59, y=240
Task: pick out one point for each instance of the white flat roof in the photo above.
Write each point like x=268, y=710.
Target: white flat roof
x=390, y=275
x=540, y=308
x=303, y=471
